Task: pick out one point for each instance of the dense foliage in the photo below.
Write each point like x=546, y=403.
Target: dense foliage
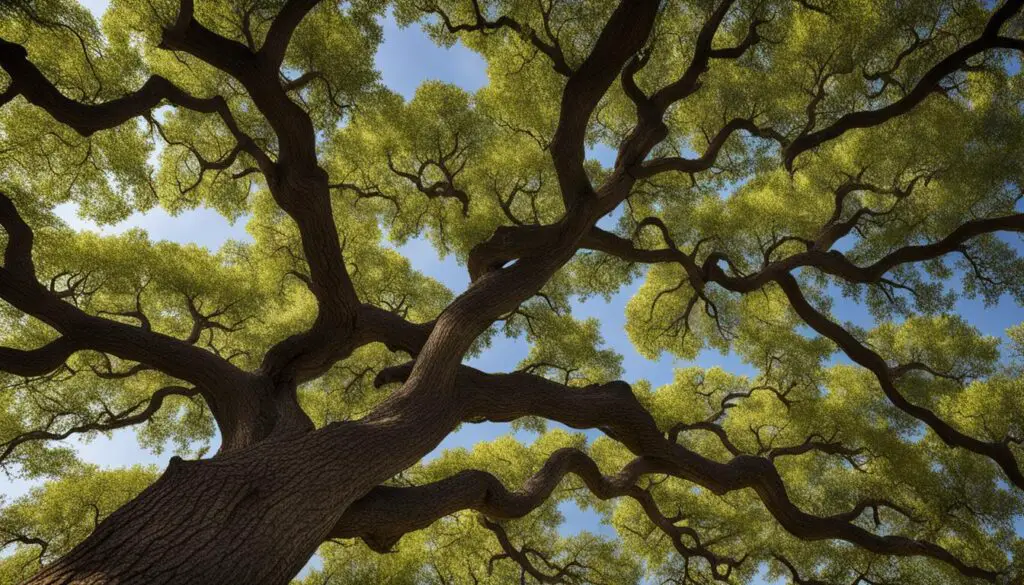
x=777, y=161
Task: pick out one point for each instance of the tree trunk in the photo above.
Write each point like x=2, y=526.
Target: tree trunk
x=201, y=523
x=255, y=515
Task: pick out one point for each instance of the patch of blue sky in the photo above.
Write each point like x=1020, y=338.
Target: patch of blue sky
x=408, y=57
x=203, y=227
x=97, y=7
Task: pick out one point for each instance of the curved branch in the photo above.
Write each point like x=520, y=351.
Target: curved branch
x=703, y=53
x=650, y=128
x=24, y=539
x=37, y=362
x=385, y=514
x=837, y=264
x=281, y=30
x=614, y=410
x=372, y=324
x=522, y=557
x=126, y=418
x=999, y=452
x=87, y=119
x=297, y=182
x=797, y=579
x=829, y=261
x=929, y=83
x=623, y=36
x=707, y=160
x=223, y=384
x=480, y=24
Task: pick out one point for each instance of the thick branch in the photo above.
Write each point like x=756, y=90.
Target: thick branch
x=221, y=383
x=703, y=52
x=297, y=182
x=623, y=36
x=282, y=29
x=614, y=410
x=837, y=264
x=385, y=514
x=86, y=119
x=37, y=362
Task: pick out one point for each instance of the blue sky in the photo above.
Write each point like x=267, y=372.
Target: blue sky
x=406, y=58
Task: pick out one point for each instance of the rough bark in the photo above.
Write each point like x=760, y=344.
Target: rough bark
x=256, y=514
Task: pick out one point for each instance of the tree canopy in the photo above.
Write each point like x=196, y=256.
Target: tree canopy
x=776, y=161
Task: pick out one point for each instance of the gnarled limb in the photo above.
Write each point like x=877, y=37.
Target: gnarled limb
x=315, y=476
x=223, y=385
x=87, y=119
x=821, y=258
x=835, y=263
x=40, y=361
x=703, y=52
x=691, y=166
x=624, y=34
x=614, y=410
x=297, y=182
x=385, y=514
x=30, y=83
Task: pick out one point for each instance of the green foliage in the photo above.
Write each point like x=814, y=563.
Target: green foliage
x=56, y=515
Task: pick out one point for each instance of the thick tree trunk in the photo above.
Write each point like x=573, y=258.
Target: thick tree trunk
x=203, y=522
x=255, y=515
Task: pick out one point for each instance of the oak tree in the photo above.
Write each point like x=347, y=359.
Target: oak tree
x=777, y=162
